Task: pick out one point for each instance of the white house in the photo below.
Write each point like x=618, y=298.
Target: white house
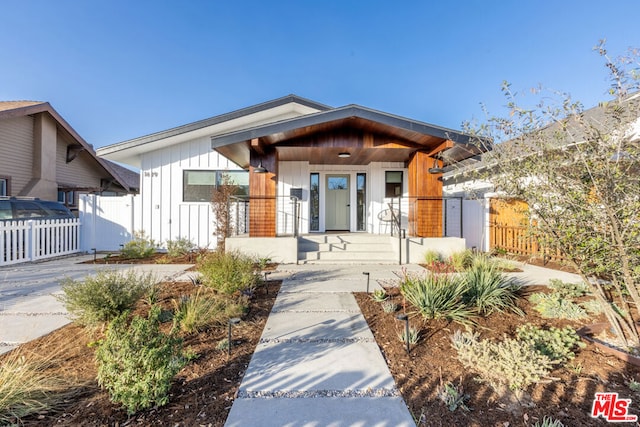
x=304, y=167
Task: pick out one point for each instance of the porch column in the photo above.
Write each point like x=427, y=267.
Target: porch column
x=425, y=197
x=262, y=191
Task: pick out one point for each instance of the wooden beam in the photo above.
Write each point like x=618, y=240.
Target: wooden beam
x=444, y=146
x=258, y=146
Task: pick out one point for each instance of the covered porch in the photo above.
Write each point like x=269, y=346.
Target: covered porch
x=349, y=169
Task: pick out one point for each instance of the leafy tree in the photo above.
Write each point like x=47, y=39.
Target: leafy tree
x=579, y=172
x=221, y=205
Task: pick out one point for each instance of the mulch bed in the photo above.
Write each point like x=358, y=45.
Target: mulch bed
x=204, y=390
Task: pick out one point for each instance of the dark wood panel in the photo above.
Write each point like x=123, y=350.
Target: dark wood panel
x=262, y=203
x=425, y=191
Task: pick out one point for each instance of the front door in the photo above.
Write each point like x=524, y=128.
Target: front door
x=337, y=203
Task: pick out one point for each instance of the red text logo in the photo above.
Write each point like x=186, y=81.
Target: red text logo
x=611, y=408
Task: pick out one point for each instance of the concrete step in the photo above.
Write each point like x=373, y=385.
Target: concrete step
x=343, y=247
x=345, y=238
x=350, y=255
x=354, y=248
x=389, y=261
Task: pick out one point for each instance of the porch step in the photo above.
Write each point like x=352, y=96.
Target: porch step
x=346, y=249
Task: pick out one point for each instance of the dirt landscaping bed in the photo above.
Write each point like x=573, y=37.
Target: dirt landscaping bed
x=202, y=393
x=567, y=396
x=204, y=390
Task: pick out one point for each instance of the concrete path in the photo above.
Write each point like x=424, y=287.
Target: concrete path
x=317, y=363
x=28, y=307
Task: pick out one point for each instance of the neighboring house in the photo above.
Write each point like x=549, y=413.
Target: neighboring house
x=493, y=221
x=44, y=157
x=303, y=167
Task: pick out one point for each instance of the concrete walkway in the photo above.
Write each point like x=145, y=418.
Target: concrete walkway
x=28, y=306
x=317, y=363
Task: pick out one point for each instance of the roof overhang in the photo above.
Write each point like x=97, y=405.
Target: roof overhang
x=22, y=108
x=130, y=151
x=401, y=138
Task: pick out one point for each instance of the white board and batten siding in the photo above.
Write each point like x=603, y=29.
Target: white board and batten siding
x=165, y=216
x=297, y=175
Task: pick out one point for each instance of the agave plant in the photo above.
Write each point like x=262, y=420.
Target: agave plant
x=379, y=295
x=489, y=290
x=438, y=296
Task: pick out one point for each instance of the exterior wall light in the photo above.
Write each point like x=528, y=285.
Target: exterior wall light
x=344, y=155
x=435, y=169
x=260, y=168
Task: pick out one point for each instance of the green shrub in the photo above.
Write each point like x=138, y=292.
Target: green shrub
x=438, y=296
x=552, y=306
x=389, y=306
x=228, y=272
x=509, y=362
x=489, y=290
x=179, y=247
x=566, y=290
x=461, y=260
x=140, y=247
x=263, y=262
x=379, y=295
x=557, y=344
x=453, y=396
x=431, y=256
x=104, y=296
x=196, y=312
x=137, y=362
x=591, y=306
x=548, y=422
x=413, y=337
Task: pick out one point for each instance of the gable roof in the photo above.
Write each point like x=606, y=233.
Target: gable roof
x=16, y=105
x=573, y=129
x=11, y=109
x=129, y=151
x=285, y=118
x=236, y=145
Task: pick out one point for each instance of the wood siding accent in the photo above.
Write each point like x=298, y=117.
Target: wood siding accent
x=364, y=147
x=16, y=141
x=262, y=191
x=82, y=172
x=425, y=193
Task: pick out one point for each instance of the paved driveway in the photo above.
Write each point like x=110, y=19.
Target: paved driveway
x=28, y=307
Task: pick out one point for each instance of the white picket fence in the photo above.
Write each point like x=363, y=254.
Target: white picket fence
x=32, y=240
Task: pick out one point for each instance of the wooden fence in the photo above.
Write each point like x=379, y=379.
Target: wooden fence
x=518, y=241
x=22, y=241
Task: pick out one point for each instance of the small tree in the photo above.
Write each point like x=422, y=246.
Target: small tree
x=221, y=206
x=579, y=172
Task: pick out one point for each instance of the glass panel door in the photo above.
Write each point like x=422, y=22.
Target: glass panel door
x=337, y=205
x=314, y=202
x=361, y=201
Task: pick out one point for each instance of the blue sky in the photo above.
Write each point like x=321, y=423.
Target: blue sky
x=118, y=70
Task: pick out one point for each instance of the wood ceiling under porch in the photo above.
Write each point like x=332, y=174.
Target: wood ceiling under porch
x=363, y=136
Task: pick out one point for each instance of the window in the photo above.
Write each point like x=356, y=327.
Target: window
x=67, y=197
x=4, y=186
x=337, y=183
x=393, y=184
x=198, y=185
x=314, y=203
x=361, y=198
